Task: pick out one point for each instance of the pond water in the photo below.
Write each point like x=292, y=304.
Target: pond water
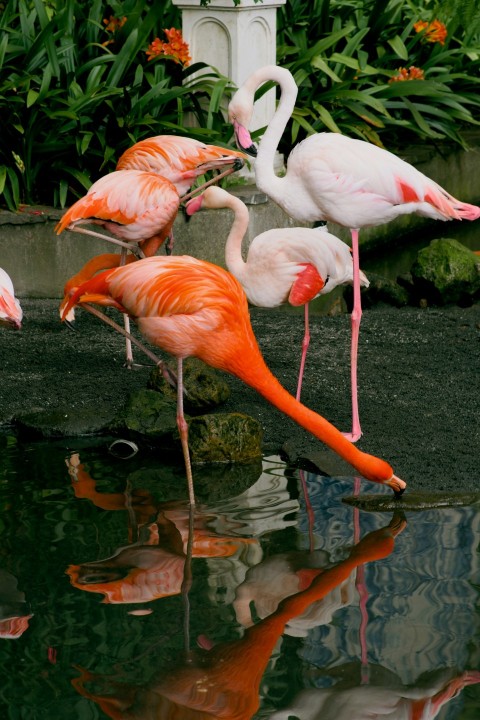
x=114, y=602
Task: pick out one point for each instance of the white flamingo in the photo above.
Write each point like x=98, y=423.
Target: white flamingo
x=284, y=265
x=336, y=178
x=10, y=311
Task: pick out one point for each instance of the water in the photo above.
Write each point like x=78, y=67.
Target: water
x=118, y=616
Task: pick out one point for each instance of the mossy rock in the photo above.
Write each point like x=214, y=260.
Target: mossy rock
x=148, y=413
x=64, y=422
x=446, y=272
x=205, y=388
x=224, y=437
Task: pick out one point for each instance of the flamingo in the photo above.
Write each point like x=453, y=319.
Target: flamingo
x=137, y=207
x=293, y=265
x=10, y=311
x=336, y=178
x=180, y=159
x=190, y=307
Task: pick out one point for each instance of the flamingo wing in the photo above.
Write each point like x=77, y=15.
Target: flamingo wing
x=142, y=202
x=10, y=310
x=179, y=159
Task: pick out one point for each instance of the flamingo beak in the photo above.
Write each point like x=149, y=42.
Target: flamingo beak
x=243, y=139
x=398, y=486
x=194, y=205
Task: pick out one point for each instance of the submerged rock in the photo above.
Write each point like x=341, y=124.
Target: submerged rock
x=446, y=272
x=205, y=388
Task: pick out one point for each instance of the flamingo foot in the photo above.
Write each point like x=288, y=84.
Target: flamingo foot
x=353, y=436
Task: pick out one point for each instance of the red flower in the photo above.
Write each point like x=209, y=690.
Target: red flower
x=433, y=32
x=176, y=47
x=413, y=73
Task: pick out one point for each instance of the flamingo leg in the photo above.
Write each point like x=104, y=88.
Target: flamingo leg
x=126, y=323
x=305, y=344
x=201, y=188
x=355, y=319
x=183, y=430
x=167, y=374
x=133, y=247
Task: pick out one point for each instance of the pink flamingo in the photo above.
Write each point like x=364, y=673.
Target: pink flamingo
x=336, y=178
x=190, y=307
x=293, y=265
x=10, y=310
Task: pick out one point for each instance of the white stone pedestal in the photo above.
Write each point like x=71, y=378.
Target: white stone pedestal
x=234, y=39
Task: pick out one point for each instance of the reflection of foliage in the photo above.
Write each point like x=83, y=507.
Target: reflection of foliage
x=343, y=54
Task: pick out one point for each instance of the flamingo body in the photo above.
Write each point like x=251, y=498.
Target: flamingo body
x=178, y=158
x=190, y=307
x=10, y=310
x=131, y=204
x=333, y=177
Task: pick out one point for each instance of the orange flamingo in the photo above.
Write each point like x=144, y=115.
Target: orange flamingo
x=293, y=264
x=137, y=207
x=10, y=311
x=190, y=307
x=180, y=159
x=224, y=681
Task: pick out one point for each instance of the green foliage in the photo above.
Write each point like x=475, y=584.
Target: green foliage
x=344, y=54
x=76, y=95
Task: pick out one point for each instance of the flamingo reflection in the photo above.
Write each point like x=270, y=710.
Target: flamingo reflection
x=153, y=565
x=14, y=610
x=224, y=681
x=395, y=702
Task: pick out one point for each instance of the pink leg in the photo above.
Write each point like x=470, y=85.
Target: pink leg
x=305, y=344
x=355, y=322
x=183, y=430
x=361, y=587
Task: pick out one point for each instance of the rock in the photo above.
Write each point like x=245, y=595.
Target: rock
x=381, y=290
x=446, y=272
x=64, y=422
x=149, y=414
x=205, y=388
x=224, y=437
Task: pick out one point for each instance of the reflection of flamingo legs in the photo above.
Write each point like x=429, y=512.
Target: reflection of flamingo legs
x=309, y=510
x=361, y=587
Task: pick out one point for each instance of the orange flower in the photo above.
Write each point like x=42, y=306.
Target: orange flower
x=434, y=31
x=176, y=47
x=413, y=73
x=113, y=23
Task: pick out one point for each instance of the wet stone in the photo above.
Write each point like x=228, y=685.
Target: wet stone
x=224, y=437
x=149, y=414
x=413, y=501
x=204, y=387
x=64, y=422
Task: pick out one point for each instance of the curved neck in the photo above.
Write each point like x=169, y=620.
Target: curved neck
x=249, y=365
x=233, y=246
x=264, y=164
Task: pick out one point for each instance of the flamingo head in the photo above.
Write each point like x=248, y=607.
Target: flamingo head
x=240, y=111
x=213, y=198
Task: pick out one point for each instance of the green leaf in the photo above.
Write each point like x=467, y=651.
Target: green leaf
x=398, y=46
x=32, y=96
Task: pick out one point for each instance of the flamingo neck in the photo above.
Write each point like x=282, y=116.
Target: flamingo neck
x=249, y=366
x=233, y=247
x=265, y=176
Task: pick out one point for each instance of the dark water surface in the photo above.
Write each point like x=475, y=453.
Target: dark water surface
x=112, y=607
